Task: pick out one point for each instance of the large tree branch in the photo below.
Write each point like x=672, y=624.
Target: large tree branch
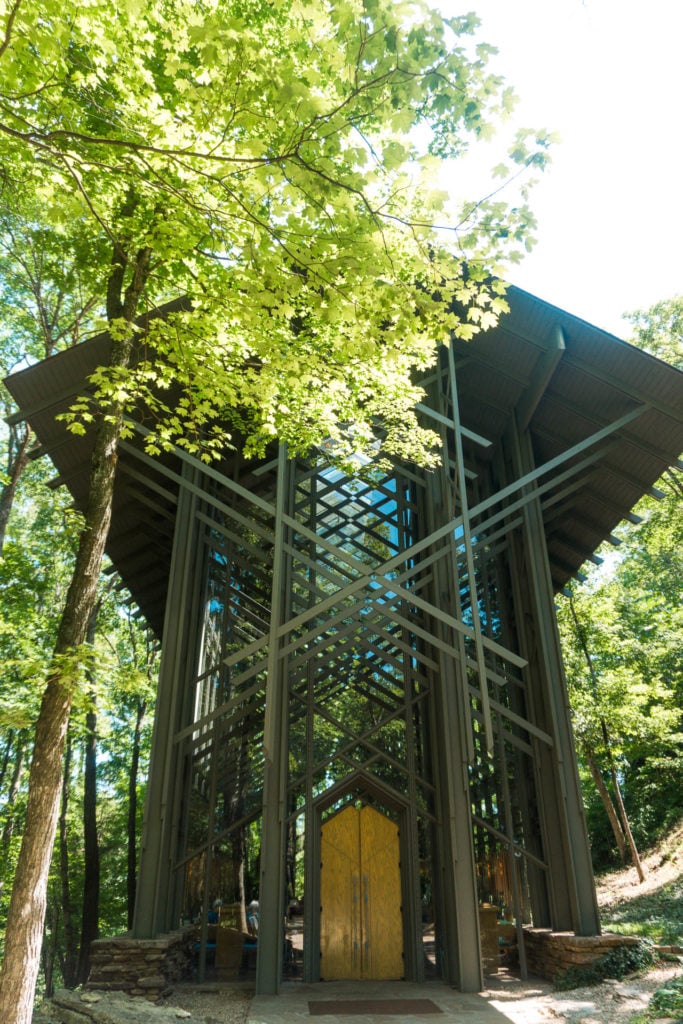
x=43, y=139
x=9, y=26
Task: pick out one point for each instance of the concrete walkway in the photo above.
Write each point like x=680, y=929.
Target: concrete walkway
x=501, y=1004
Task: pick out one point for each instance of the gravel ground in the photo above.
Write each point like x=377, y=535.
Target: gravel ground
x=211, y=1004
x=610, y=1002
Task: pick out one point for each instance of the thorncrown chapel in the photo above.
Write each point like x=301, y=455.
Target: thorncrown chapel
x=363, y=764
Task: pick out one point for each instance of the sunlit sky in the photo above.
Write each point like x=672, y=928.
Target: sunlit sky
x=607, y=76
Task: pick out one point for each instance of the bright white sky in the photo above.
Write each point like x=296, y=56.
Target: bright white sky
x=607, y=76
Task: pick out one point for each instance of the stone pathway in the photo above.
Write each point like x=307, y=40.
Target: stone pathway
x=292, y=1005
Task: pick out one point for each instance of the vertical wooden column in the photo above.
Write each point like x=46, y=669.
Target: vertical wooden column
x=312, y=823
x=459, y=911
x=413, y=948
x=154, y=907
x=450, y=723
x=573, y=903
x=275, y=731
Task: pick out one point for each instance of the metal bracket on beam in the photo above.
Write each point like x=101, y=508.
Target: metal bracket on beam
x=540, y=378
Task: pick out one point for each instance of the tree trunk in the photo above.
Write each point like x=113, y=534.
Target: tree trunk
x=620, y=803
x=133, y=811
x=12, y=793
x=25, y=919
x=70, y=950
x=635, y=856
x=602, y=789
x=90, y=921
x=27, y=906
x=91, y=881
x=6, y=756
x=49, y=950
x=14, y=471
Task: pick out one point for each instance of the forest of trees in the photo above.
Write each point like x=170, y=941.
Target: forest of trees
x=273, y=191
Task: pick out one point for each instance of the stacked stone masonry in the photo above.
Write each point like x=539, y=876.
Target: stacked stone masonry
x=150, y=967
x=141, y=967
x=550, y=953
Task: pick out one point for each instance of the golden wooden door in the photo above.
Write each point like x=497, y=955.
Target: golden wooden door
x=361, y=930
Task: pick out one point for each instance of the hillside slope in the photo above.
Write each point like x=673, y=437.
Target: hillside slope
x=653, y=908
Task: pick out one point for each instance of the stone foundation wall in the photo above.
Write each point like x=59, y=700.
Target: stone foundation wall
x=141, y=967
x=550, y=953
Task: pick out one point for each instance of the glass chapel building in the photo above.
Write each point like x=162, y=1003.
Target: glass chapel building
x=363, y=759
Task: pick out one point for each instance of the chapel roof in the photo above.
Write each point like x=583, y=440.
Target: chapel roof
x=561, y=377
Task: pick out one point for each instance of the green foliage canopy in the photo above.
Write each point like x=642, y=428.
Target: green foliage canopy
x=274, y=162
x=659, y=330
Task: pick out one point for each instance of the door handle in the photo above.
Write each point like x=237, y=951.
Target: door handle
x=366, y=917
x=356, y=922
